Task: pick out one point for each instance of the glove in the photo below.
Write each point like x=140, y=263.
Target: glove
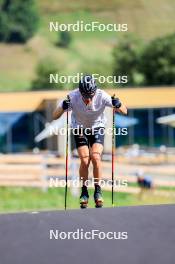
x=116, y=102
x=66, y=104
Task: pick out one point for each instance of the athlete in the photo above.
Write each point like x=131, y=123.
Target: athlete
x=88, y=104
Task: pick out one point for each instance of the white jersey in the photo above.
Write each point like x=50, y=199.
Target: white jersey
x=88, y=116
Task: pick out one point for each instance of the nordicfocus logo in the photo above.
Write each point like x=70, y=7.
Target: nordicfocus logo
x=101, y=79
x=81, y=234
x=54, y=129
x=57, y=183
x=93, y=26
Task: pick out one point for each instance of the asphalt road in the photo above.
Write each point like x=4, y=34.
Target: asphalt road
x=36, y=238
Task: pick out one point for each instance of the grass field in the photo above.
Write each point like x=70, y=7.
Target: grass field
x=88, y=51
x=27, y=199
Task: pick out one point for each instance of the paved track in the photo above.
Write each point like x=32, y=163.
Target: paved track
x=24, y=238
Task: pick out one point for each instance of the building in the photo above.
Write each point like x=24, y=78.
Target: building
x=27, y=113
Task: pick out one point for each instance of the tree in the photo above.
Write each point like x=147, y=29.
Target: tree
x=126, y=56
x=4, y=29
x=157, y=61
x=64, y=39
x=42, y=81
x=18, y=20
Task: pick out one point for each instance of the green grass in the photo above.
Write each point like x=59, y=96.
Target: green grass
x=89, y=51
x=32, y=199
x=147, y=18
x=165, y=188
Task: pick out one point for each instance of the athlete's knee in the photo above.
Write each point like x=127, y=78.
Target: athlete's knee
x=96, y=158
x=85, y=162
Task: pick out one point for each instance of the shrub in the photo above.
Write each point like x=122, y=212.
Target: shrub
x=18, y=20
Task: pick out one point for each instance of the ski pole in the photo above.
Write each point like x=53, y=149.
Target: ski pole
x=67, y=145
x=113, y=150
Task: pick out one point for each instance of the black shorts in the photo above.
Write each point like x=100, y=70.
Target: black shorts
x=87, y=137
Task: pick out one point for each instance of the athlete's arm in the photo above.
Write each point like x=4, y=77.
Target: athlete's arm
x=115, y=102
x=122, y=109
x=57, y=113
x=64, y=106
x=119, y=106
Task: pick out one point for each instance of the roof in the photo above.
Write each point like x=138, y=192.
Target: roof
x=132, y=97
x=148, y=97
x=26, y=101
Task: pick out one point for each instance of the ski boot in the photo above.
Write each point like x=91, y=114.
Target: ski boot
x=84, y=197
x=98, y=197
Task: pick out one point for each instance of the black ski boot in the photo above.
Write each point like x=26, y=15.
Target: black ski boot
x=98, y=196
x=84, y=197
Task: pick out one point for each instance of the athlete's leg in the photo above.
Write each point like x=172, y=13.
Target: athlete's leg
x=95, y=153
x=83, y=153
x=96, y=143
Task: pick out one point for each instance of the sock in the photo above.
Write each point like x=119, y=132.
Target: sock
x=85, y=190
x=97, y=187
x=84, y=187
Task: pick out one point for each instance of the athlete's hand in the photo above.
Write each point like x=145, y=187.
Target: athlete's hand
x=66, y=104
x=116, y=102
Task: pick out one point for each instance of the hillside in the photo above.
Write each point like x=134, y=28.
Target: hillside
x=147, y=18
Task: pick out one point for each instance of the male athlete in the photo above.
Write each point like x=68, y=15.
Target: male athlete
x=88, y=104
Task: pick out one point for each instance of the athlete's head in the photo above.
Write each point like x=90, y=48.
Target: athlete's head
x=87, y=86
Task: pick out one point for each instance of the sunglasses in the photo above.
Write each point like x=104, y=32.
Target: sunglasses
x=88, y=96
